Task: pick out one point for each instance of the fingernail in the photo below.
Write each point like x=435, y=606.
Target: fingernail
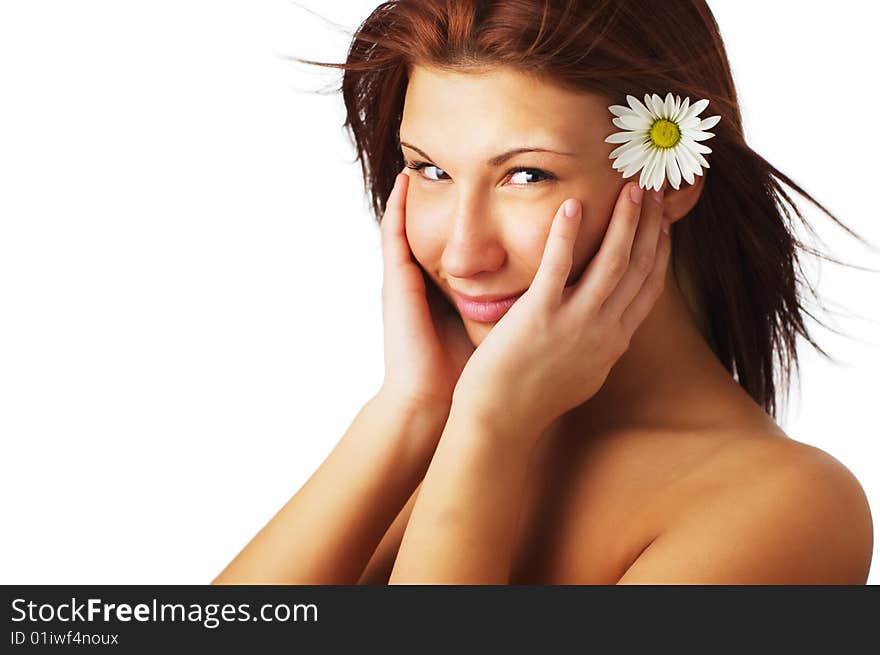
x=636, y=192
x=665, y=227
x=571, y=208
x=658, y=196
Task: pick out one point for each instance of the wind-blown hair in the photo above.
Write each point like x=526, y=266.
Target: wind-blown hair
x=735, y=254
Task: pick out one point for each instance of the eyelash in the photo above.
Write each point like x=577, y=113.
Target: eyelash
x=419, y=165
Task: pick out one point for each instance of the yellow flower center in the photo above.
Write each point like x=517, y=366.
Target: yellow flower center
x=664, y=133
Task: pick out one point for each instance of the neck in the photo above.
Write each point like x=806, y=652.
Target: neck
x=668, y=378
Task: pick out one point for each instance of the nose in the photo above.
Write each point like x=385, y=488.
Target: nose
x=472, y=239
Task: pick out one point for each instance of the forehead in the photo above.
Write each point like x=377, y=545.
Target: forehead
x=499, y=104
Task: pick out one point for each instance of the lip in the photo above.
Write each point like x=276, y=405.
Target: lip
x=484, y=309
x=489, y=297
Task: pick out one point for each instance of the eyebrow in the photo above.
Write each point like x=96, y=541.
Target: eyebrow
x=497, y=160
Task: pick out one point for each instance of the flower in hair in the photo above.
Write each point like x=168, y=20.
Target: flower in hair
x=661, y=140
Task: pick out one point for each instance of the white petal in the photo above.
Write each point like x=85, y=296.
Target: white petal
x=685, y=156
x=621, y=137
x=675, y=109
x=686, y=171
x=659, y=172
x=619, y=150
x=668, y=106
x=672, y=172
x=659, y=176
x=667, y=156
x=693, y=152
x=708, y=123
x=637, y=159
x=697, y=136
x=648, y=170
x=632, y=156
x=626, y=156
x=620, y=110
x=689, y=124
x=682, y=110
x=693, y=146
x=635, y=122
x=644, y=175
x=696, y=108
x=635, y=167
x=657, y=104
x=638, y=107
x=656, y=163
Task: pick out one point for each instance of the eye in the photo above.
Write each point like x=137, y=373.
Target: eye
x=419, y=165
x=533, y=172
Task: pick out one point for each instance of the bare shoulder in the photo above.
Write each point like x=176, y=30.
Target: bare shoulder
x=773, y=452
x=762, y=508
x=795, y=471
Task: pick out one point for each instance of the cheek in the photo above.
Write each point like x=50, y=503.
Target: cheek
x=522, y=238
x=527, y=243
x=521, y=234
x=594, y=226
x=425, y=235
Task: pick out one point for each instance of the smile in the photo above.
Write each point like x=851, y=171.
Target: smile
x=484, y=311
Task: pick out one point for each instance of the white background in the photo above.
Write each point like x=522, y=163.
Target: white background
x=190, y=311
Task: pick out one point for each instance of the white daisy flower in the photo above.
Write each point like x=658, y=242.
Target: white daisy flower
x=662, y=141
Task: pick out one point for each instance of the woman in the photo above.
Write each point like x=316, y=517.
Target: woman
x=612, y=422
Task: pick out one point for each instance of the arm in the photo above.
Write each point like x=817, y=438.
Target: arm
x=378, y=570
x=464, y=522
x=327, y=532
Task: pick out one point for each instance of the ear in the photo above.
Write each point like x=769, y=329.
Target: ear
x=677, y=203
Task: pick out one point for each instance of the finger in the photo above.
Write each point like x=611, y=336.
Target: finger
x=438, y=305
x=556, y=262
x=641, y=305
x=642, y=257
x=395, y=247
x=607, y=268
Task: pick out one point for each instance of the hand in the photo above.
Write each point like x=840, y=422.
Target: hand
x=426, y=345
x=555, y=346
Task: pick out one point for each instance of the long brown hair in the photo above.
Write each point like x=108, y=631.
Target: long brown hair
x=735, y=254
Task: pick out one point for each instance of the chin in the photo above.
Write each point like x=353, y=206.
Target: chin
x=477, y=331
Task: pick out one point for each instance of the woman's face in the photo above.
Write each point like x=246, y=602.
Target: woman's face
x=479, y=227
